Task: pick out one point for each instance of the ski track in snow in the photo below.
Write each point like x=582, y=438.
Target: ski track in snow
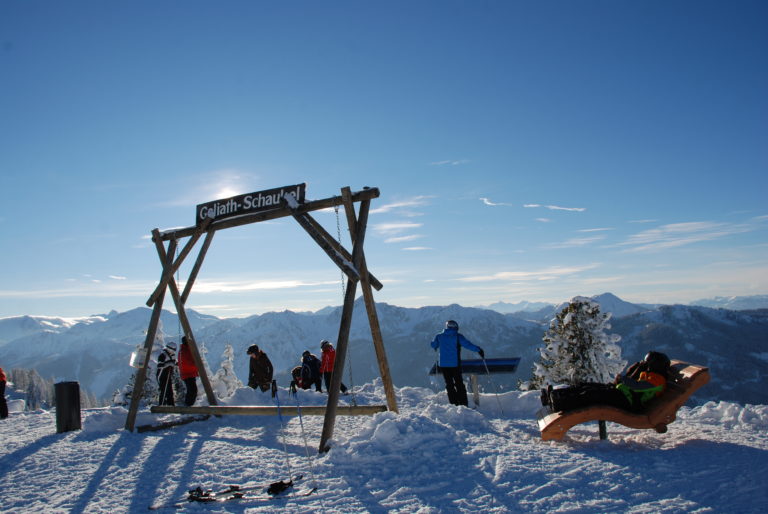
x=431, y=457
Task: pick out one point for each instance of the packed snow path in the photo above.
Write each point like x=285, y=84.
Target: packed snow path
x=432, y=457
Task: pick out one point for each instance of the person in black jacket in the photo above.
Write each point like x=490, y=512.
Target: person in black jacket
x=3, y=404
x=260, y=369
x=166, y=364
x=310, y=371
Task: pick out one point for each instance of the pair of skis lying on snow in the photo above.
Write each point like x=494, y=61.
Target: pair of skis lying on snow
x=239, y=493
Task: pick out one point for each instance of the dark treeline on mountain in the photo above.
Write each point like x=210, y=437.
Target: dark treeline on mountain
x=39, y=392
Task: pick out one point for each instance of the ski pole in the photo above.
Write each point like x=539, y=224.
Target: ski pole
x=306, y=447
x=495, y=389
x=282, y=427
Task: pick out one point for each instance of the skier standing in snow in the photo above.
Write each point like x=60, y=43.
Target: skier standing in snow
x=188, y=372
x=166, y=362
x=310, y=371
x=449, y=342
x=327, y=362
x=259, y=369
x=3, y=404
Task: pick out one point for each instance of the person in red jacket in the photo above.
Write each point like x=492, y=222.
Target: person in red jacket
x=188, y=372
x=3, y=404
x=326, y=365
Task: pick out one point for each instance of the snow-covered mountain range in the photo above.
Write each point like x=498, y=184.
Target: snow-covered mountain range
x=95, y=351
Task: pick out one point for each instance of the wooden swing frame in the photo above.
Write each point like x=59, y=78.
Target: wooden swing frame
x=352, y=264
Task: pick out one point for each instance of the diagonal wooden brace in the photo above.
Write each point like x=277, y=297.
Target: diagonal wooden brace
x=340, y=249
x=170, y=270
x=320, y=238
x=186, y=326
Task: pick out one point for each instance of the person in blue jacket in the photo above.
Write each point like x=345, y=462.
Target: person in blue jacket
x=449, y=342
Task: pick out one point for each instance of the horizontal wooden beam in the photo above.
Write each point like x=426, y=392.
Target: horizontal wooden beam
x=280, y=212
x=261, y=410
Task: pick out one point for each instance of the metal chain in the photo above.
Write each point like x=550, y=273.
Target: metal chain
x=343, y=296
x=338, y=238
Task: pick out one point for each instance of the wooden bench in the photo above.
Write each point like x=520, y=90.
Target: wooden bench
x=683, y=381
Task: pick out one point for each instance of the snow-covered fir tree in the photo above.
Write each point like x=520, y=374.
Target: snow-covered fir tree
x=150, y=392
x=38, y=392
x=577, y=348
x=225, y=382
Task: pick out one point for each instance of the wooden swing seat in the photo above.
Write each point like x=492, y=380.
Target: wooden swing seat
x=683, y=381
x=262, y=410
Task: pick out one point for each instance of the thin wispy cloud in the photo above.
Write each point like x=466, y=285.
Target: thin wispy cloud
x=84, y=289
x=416, y=201
x=486, y=201
x=395, y=228
x=543, y=220
x=117, y=277
x=680, y=234
x=594, y=230
x=449, y=162
x=575, y=242
x=403, y=239
x=543, y=274
x=417, y=248
x=258, y=285
x=554, y=207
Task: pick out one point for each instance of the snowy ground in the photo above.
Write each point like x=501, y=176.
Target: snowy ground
x=432, y=457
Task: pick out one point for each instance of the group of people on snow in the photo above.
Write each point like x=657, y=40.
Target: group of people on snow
x=315, y=371
x=312, y=371
x=642, y=381
x=166, y=364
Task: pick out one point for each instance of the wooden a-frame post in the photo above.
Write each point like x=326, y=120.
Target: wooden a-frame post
x=352, y=264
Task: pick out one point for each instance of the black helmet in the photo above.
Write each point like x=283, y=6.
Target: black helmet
x=657, y=362
x=252, y=350
x=323, y=343
x=451, y=324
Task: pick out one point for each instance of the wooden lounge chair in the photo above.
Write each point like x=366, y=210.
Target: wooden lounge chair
x=684, y=379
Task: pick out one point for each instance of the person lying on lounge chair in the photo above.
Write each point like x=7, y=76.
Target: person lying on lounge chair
x=642, y=382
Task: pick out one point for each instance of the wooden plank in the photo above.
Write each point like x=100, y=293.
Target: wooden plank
x=185, y=325
x=487, y=367
x=149, y=341
x=196, y=267
x=280, y=212
x=265, y=410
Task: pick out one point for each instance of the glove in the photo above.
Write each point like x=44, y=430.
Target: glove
x=482, y=353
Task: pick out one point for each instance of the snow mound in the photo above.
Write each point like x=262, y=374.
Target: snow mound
x=730, y=415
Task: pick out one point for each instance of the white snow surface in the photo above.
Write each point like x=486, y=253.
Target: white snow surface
x=431, y=457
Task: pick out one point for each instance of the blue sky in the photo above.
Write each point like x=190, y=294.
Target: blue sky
x=524, y=150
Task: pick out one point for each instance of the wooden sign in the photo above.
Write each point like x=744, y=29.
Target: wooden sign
x=247, y=203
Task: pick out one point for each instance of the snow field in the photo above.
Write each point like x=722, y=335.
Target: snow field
x=431, y=457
